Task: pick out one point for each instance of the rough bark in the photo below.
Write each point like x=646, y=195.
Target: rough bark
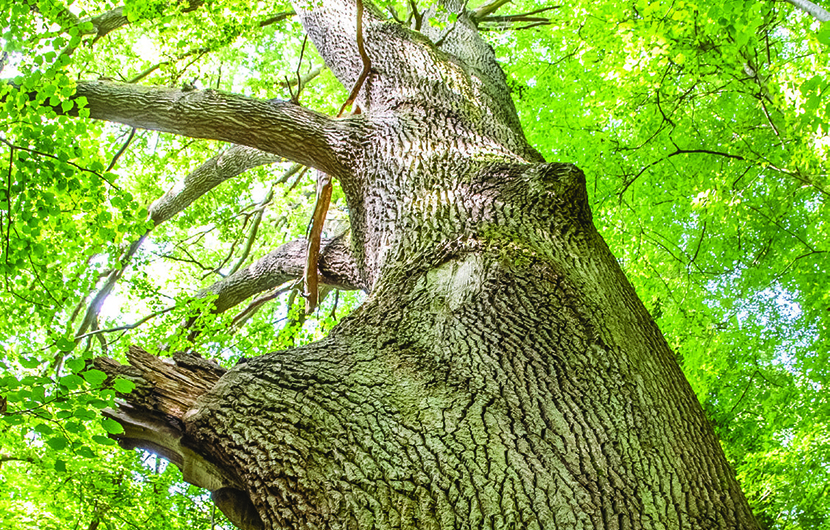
x=503, y=372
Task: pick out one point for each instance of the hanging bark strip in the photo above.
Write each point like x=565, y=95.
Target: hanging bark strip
x=324, y=186
x=320, y=209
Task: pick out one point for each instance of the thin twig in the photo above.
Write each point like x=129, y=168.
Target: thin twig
x=256, y=304
x=53, y=157
x=367, y=64
x=126, y=326
x=120, y=151
x=296, y=99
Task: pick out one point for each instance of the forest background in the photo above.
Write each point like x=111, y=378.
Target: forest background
x=702, y=129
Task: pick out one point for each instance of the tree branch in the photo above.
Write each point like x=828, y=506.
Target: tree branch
x=227, y=164
x=816, y=11
x=335, y=268
x=277, y=127
x=487, y=9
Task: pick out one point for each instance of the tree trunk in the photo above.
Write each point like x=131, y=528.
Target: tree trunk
x=503, y=372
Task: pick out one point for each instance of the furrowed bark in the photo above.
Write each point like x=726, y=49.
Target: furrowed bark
x=276, y=127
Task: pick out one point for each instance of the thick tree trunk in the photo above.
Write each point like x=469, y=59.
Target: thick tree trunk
x=503, y=372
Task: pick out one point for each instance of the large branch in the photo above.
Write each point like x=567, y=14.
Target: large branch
x=818, y=12
x=154, y=416
x=335, y=265
x=225, y=165
x=277, y=127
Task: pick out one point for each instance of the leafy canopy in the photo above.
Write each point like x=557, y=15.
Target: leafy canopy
x=702, y=127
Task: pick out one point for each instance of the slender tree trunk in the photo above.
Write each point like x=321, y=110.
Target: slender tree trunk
x=503, y=372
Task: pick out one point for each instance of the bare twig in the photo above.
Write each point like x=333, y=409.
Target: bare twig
x=255, y=305
x=134, y=325
x=297, y=180
x=252, y=233
x=120, y=151
x=367, y=64
x=296, y=98
x=53, y=157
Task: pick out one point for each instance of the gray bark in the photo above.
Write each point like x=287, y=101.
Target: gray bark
x=815, y=10
x=503, y=372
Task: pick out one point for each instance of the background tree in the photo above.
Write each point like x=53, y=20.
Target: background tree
x=702, y=131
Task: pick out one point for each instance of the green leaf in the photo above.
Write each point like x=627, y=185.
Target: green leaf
x=71, y=381
x=75, y=365
x=57, y=443
x=123, y=386
x=84, y=414
x=85, y=451
x=94, y=377
x=74, y=427
x=42, y=428
x=30, y=363
x=112, y=426
x=65, y=344
x=823, y=34
x=60, y=466
x=103, y=440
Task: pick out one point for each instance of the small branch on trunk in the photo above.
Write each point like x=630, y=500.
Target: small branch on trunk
x=335, y=266
x=367, y=64
x=295, y=98
x=415, y=15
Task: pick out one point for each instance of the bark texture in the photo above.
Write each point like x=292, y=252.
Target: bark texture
x=503, y=372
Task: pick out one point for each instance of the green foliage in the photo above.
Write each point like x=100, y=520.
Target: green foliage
x=702, y=127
